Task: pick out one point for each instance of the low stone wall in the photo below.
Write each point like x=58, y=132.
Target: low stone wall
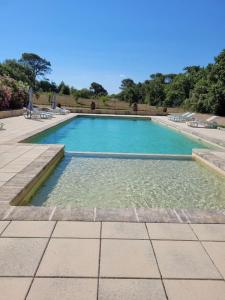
x=10, y=113
x=114, y=112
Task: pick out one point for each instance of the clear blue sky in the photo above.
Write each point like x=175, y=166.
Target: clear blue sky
x=107, y=40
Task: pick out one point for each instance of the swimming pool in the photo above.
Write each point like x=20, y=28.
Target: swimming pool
x=80, y=181
x=122, y=135
x=106, y=181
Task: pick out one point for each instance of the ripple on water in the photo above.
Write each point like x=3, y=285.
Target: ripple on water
x=110, y=182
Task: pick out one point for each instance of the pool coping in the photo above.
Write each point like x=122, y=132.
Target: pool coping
x=189, y=132
x=40, y=168
x=134, y=215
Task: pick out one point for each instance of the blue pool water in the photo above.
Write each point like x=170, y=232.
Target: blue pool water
x=105, y=134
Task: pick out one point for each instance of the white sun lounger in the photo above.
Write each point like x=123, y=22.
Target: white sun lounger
x=203, y=124
x=185, y=118
x=44, y=114
x=60, y=111
x=172, y=117
x=36, y=114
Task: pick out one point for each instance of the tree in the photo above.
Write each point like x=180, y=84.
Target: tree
x=130, y=94
x=159, y=77
x=64, y=89
x=127, y=83
x=178, y=90
x=47, y=86
x=217, y=98
x=13, y=69
x=219, y=67
x=155, y=92
x=98, y=90
x=39, y=66
x=83, y=93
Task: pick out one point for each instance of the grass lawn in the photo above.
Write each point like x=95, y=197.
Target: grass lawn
x=69, y=101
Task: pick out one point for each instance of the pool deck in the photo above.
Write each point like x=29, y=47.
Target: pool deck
x=111, y=261
x=113, y=254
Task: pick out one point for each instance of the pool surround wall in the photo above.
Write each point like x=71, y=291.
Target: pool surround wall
x=20, y=189
x=208, y=159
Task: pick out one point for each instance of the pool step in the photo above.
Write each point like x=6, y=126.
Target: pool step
x=130, y=155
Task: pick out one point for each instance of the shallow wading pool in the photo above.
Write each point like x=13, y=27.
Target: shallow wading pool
x=113, y=182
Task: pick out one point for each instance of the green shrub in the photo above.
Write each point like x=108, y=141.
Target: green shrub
x=13, y=94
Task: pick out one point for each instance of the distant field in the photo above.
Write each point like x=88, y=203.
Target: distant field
x=68, y=101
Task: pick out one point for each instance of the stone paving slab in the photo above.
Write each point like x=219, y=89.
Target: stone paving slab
x=3, y=225
x=20, y=256
x=119, y=214
x=6, y=176
x=3, y=210
x=77, y=230
x=128, y=258
x=216, y=250
x=157, y=215
x=14, y=288
x=184, y=259
x=159, y=231
x=74, y=214
x=195, y=289
x=209, y=232
x=27, y=213
x=131, y=289
x=124, y=230
x=108, y=265
x=29, y=229
x=63, y=289
x=70, y=258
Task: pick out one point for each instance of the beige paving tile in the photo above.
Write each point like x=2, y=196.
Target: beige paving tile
x=170, y=231
x=195, y=289
x=216, y=250
x=128, y=258
x=210, y=232
x=6, y=176
x=123, y=230
x=14, y=288
x=63, y=288
x=77, y=229
x=131, y=289
x=19, y=126
x=13, y=168
x=3, y=225
x=70, y=257
x=184, y=259
x=20, y=256
x=29, y=229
